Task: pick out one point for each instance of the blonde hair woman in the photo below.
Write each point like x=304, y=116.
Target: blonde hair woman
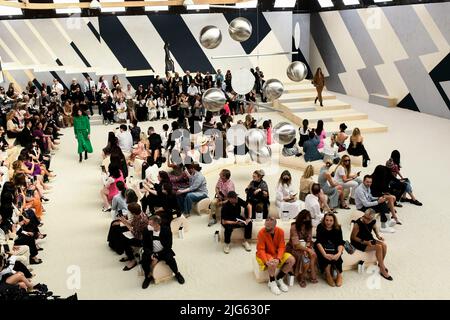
x=306, y=182
x=344, y=176
x=356, y=147
x=12, y=125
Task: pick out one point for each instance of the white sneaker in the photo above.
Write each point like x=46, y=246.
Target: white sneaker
x=283, y=287
x=226, y=248
x=387, y=230
x=246, y=245
x=274, y=288
x=392, y=223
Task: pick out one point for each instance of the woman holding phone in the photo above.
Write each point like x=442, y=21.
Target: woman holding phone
x=287, y=200
x=345, y=178
x=363, y=240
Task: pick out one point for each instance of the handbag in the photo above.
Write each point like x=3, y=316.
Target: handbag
x=349, y=247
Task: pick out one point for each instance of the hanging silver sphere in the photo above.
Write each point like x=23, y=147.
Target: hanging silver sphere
x=236, y=135
x=262, y=155
x=284, y=133
x=255, y=139
x=240, y=29
x=210, y=37
x=213, y=99
x=273, y=89
x=242, y=81
x=297, y=71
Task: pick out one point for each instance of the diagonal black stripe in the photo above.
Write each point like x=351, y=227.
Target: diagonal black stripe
x=183, y=46
x=37, y=84
x=260, y=30
x=94, y=31
x=55, y=75
x=58, y=62
x=440, y=73
x=121, y=44
x=74, y=46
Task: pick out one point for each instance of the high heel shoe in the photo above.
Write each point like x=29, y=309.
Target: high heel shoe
x=126, y=268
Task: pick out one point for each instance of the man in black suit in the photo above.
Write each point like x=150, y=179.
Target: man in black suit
x=187, y=80
x=157, y=245
x=94, y=98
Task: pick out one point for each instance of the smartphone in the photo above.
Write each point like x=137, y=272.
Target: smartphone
x=29, y=193
x=119, y=213
x=374, y=242
x=358, y=173
x=141, y=185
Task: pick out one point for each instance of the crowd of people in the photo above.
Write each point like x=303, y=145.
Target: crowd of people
x=27, y=146
x=141, y=215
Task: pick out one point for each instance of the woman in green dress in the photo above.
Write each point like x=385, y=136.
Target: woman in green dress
x=82, y=129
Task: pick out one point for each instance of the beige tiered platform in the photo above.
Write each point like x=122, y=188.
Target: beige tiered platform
x=201, y=207
x=297, y=103
x=176, y=223
x=162, y=272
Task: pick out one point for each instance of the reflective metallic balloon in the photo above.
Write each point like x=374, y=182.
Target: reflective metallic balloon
x=213, y=99
x=255, y=139
x=297, y=71
x=236, y=135
x=210, y=37
x=240, y=29
x=262, y=155
x=273, y=89
x=284, y=133
x=242, y=81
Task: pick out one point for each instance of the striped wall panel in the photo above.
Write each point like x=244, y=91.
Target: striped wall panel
x=399, y=51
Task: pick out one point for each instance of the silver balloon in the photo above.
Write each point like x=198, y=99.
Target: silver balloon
x=255, y=139
x=242, y=81
x=210, y=37
x=240, y=29
x=236, y=135
x=273, y=89
x=297, y=71
x=262, y=155
x=284, y=133
x=213, y=99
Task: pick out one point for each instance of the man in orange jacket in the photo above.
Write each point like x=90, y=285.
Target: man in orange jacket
x=270, y=254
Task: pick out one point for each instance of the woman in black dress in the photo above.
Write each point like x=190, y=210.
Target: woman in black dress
x=329, y=247
x=258, y=194
x=154, y=195
x=356, y=146
x=363, y=240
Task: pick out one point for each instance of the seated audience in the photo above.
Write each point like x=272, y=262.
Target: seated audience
x=125, y=139
x=223, y=186
x=329, y=246
x=394, y=164
x=157, y=246
x=196, y=191
x=258, y=193
x=286, y=200
x=110, y=189
x=300, y=246
x=310, y=148
x=331, y=188
x=356, y=147
x=303, y=132
x=232, y=218
x=365, y=200
x=271, y=255
x=345, y=178
x=136, y=223
x=362, y=239
x=313, y=206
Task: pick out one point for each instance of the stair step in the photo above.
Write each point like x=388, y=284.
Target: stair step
x=304, y=97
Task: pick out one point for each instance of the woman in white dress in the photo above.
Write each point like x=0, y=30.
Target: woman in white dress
x=286, y=201
x=121, y=108
x=151, y=105
x=162, y=105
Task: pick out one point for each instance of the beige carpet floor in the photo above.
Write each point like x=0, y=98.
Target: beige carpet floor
x=77, y=258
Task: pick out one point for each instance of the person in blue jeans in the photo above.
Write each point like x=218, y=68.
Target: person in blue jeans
x=196, y=191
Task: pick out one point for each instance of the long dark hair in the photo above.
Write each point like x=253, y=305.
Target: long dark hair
x=164, y=177
x=114, y=170
x=319, y=128
x=300, y=220
x=381, y=177
x=395, y=156
x=121, y=186
x=305, y=125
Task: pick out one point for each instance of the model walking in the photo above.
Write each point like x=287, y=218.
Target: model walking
x=82, y=129
x=319, y=83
